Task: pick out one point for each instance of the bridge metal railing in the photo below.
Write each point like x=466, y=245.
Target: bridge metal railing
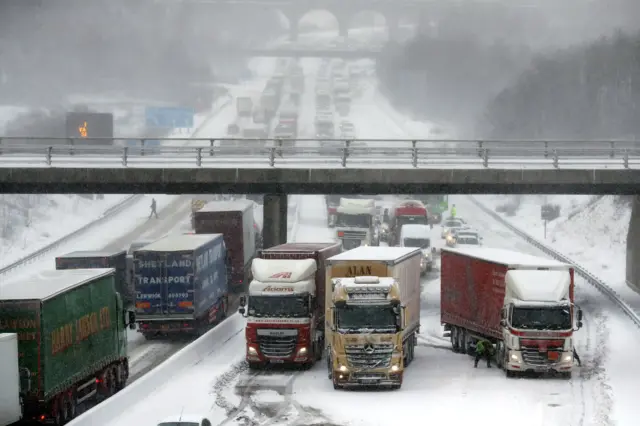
x=332, y=153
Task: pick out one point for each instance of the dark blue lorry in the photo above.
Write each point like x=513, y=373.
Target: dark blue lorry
x=181, y=284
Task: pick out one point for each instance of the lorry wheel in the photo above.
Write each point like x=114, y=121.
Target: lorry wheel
x=454, y=339
x=461, y=341
x=510, y=374
x=395, y=387
x=121, y=377
x=56, y=412
x=566, y=375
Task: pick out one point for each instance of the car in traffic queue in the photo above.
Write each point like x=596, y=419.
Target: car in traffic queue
x=468, y=237
x=417, y=235
x=452, y=224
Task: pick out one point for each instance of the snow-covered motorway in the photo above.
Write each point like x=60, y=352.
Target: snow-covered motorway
x=439, y=386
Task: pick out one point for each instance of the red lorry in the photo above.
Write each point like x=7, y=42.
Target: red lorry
x=522, y=303
x=407, y=212
x=286, y=303
x=234, y=220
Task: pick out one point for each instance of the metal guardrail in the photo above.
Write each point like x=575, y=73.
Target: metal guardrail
x=370, y=153
x=45, y=250
x=582, y=272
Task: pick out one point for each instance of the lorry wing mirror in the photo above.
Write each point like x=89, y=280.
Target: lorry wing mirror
x=503, y=322
x=243, y=301
x=579, y=324
x=241, y=310
x=131, y=319
x=580, y=315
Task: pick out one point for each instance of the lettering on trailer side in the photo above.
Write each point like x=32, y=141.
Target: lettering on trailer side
x=183, y=279
x=81, y=329
x=20, y=327
x=173, y=263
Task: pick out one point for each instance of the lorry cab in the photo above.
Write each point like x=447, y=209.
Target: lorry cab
x=355, y=222
x=418, y=236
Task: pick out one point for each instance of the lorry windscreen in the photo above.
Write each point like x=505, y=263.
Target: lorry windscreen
x=353, y=220
x=541, y=318
x=405, y=220
x=422, y=243
x=279, y=306
x=371, y=319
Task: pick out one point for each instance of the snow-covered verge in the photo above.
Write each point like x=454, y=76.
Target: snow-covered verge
x=31, y=222
x=591, y=230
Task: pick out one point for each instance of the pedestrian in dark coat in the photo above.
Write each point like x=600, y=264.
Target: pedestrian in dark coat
x=153, y=209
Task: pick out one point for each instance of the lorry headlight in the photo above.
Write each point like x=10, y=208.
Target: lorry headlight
x=567, y=358
x=302, y=352
x=515, y=358
x=395, y=368
x=343, y=368
x=252, y=351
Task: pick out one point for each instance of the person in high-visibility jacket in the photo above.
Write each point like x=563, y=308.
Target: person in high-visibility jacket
x=453, y=210
x=484, y=349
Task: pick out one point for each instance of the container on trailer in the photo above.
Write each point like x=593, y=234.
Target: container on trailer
x=234, y=220
x=181, y=283
x=72, y=340
x=102, y=259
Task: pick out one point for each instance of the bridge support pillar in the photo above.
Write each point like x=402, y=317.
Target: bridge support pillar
x=274, y=216
x=633, y=246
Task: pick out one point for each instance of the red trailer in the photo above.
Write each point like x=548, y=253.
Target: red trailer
x=522, y=303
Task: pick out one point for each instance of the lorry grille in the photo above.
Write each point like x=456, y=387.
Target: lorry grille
x=369, y=356
x=532, y=355
x=354, y=235
x=277, y=346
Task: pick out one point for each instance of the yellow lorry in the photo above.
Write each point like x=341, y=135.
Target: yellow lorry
x=372, y=315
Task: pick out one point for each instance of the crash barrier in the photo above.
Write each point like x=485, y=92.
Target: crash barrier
x=188, y=356
x=294, y=219
x=610, y=293
x=138, y=391
x=369, y=153
x=106, y=216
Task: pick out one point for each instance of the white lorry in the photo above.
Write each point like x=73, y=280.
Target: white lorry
x=10, y=405
x=417, y=235
x=355, y=225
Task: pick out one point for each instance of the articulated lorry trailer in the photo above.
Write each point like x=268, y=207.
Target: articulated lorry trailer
x=234, y=220
x=523, y=304
x=181, y=284
x=372, y=315
x=286, y=303
x=103, y=259
x=63, y=334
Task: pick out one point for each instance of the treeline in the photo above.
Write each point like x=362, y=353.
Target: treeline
x=448, y=78
x=590, y=92
x=499, y=91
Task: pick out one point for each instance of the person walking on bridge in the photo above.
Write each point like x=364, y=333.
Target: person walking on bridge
x=153, y=209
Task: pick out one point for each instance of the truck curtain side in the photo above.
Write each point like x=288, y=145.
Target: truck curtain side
x=91, y=260
x=181, y=290
x=234, y=220
x=72, y=341
x=482, y=288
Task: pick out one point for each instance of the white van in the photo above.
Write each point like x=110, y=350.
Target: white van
x=417, y=235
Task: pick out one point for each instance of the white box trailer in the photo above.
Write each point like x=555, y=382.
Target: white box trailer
x=10, y=407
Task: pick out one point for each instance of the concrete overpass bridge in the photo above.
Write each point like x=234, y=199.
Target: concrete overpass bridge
x=344, y=13
x=278, y=168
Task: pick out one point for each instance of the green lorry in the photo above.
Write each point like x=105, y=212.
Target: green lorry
x=72, y=340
